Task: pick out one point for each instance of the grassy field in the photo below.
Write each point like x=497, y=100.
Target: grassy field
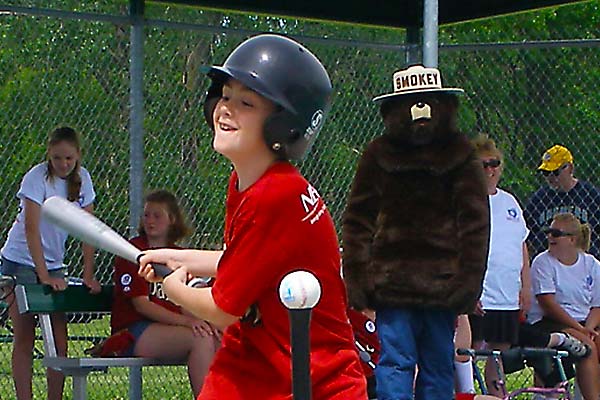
x=163, y=383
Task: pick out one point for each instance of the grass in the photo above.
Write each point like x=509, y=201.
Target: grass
x=160, y=383
x=516, y=380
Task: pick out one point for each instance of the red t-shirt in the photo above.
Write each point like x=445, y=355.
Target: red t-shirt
x=278, y=225
x=128, y=284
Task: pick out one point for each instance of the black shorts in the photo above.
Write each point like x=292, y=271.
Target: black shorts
x=496, y=326
x=549, y=325
x=530, y=336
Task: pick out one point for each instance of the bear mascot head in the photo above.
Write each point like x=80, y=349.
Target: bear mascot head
x=416, y=227
x=420, y=119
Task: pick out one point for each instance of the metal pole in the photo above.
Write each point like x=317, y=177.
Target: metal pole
x=136, y=116
x=430, y=33
x=413, y=48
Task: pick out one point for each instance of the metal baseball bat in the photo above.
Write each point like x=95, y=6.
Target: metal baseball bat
x=89, y=229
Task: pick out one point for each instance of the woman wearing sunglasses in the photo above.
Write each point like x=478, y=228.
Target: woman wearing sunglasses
x=496, y=319
x=566, y=284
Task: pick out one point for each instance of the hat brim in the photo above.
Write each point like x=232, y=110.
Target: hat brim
x=456, y=91
x=546, y=167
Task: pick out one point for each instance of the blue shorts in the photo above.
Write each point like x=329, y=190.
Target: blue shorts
x=137, y=330
x=26, y=273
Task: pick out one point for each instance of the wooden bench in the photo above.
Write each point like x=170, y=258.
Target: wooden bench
x=41, y=300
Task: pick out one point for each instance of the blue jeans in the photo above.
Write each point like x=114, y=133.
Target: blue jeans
x=410, y=337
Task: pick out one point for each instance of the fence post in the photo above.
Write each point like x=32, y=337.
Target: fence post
x=430, y=33
x=136, y=116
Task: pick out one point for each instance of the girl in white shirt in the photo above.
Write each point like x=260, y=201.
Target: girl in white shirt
x=34, y=250
x=566, y=284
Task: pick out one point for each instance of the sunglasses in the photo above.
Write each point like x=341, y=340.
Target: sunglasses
x=493, y=163
x=556, y=172
x=556, y=233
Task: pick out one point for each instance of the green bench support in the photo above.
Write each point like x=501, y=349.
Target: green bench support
x=42, y=301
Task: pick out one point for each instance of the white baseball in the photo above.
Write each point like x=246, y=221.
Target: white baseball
x=299, y=290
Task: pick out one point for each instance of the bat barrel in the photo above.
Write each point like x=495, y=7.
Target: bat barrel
x=87, y=228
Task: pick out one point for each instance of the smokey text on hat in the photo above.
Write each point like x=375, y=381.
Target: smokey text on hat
x=422, y=79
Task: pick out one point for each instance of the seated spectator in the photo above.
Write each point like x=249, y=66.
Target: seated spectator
x=562, y=192
x=513, y=359
x=565, y=281
x=160, y=328
x=546, y=373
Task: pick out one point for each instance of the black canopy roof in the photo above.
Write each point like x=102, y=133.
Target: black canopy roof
x=399, y=13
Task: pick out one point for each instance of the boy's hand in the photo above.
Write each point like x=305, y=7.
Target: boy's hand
x=154, y=256
x=147, y=272
x=175, y=280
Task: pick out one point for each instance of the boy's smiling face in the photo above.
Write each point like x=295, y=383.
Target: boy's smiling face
x=239, y=118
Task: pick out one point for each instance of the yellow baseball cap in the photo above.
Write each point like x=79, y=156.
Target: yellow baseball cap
x=555, y=157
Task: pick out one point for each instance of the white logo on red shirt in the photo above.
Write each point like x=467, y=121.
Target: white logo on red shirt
x=125, y=279
x=313, y=207
x=370, y=326
x=310, y=199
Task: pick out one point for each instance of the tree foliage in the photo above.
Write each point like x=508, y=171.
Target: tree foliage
x=57, y=71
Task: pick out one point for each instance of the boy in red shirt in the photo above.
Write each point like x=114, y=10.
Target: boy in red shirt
x=266, y=105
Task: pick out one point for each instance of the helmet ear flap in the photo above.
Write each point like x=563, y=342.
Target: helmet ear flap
x=214, y=93
x=282, y=131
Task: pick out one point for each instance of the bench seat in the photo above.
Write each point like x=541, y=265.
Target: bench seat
x=42, y=301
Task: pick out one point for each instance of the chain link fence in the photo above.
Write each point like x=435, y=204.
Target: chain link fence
x=531, y=80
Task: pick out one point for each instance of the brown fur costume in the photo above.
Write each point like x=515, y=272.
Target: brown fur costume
x=416, y=226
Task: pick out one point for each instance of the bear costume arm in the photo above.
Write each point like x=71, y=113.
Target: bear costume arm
x=473, y=215
x=358, y=229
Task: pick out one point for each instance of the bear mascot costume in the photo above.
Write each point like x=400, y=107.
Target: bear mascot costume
x=415, y=235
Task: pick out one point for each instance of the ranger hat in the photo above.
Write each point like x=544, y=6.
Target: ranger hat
x=417, y=79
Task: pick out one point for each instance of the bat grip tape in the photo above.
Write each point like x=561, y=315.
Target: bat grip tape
x=160, y=270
